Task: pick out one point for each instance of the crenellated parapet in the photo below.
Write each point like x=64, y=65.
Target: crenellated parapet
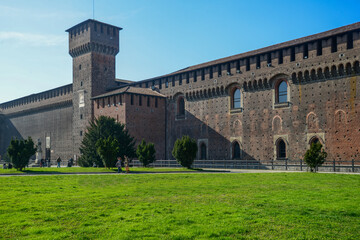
x=93, y=47
x=50, y=97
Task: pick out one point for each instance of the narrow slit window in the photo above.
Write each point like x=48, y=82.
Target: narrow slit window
x=333, y=44
x=350, y=41
x=281, y=60
x=319, y=48
x=292, y=54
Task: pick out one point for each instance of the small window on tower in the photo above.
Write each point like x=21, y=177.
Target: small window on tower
x=156, y=102
x=80, y=67
x=81, y=116
x=80, y=133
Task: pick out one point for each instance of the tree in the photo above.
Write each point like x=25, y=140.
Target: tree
x=146, y=153
x=108, y=149
x=185, y=151
x=315, y=156
x=102, y=128
x=20, y=152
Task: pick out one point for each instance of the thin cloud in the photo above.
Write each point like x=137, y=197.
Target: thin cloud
x=32, y=39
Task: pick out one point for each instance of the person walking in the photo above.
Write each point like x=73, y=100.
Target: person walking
x=118, y=164
x=58, y=160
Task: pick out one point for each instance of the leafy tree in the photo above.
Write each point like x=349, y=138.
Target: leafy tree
x=20, y=152
x=146, y=153
x=315, y=156
x=107, y=149
x=102, y=128
x=185, y=151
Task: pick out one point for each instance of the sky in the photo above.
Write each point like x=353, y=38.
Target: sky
x=158, y=36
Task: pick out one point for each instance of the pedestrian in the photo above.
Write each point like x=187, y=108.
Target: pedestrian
x=10, y=166
x=118, y=164
x=126, y=164
x=71, y=162
x=41, y=162
x=48, y=162
x=58, y=160
x=94, y=164
x=4, y=166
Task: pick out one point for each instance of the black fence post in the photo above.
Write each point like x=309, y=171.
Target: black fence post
x=300, y=164
x=272, y=164
x=286, y=163
x=353, y=165
x=334, y=165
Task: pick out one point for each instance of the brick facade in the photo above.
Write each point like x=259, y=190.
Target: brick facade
x=320, y=74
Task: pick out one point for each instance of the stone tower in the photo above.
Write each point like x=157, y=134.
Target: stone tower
x=93, y=46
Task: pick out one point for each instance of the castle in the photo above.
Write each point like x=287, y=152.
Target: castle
x=267, y=104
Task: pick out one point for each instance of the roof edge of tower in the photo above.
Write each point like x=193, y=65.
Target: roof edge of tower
x=92, y=20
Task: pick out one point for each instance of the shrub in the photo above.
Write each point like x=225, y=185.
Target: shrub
x=315, y=156
x=102, y=128
x=20, y=152
x=146, y=153
x=108, y=149
x=185, y=150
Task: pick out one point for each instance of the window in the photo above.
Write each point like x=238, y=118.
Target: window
x=350, y=41
x=248, y=64
x=148, y=101
x=140, y=100
x=160, y=84
x=319, y=48
x=195, y=76
x=280, y=57
x=314, y=140
x=333, y=44
x=203, y=151
x=181, y=107
x=281, y=149
x=236, y=150
x=292, y=54
x=268, y=57
x=167, y=83
x=187, y=78
x=81, y=133
x=282, y=92
x=211, y=72
x=202, y=74
x=81, y=116
x=173, y=81
x=180, y=80
x=306, y=51
x=132, y=99
x=257, y=61
x=236, y=103
x=156, y=102
x=238, y=66
x=219, y=70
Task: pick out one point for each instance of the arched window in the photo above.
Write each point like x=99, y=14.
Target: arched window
x=181, y=107
x=282, y=95
x=281, y=149
x=314, y=140
x=236, y=150
x=236, y=103
x=202, y=151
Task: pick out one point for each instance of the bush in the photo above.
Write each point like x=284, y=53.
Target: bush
x=315, y=157
x=107, y=150
x=185, y=150
x=20, y=152
x=146, y=153
x=103, y=128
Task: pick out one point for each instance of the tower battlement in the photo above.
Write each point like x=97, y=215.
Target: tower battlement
x=93, y=36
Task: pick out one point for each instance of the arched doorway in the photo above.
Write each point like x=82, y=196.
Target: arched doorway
x=236, y=150
x=281, y=149
x=202, y=151
x=314, y=140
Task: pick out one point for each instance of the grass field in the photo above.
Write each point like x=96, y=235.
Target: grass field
x=54, y=170
x=181, y=206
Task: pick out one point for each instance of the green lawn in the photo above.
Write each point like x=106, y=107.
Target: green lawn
x=181, y=206
x=54, y=170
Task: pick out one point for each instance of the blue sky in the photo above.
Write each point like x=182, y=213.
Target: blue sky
x=159, y=36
